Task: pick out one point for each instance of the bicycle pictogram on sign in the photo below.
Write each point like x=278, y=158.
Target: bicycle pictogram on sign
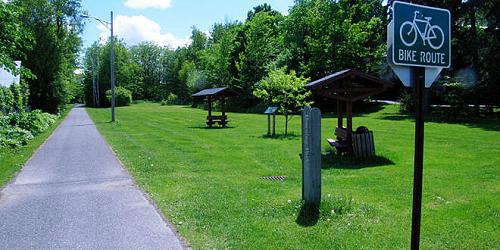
x=433, y=35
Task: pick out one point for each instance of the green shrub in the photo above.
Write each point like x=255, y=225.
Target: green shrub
x=6, y=100
x=13, y=98
x=17, y=128
x=407, y=104
x=123, y=96
x=455, y=94
x=14, y=137
x=35, y=121
x=172, y=99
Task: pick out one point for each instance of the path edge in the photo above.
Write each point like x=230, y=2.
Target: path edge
x=184, y=243
x=14, y=178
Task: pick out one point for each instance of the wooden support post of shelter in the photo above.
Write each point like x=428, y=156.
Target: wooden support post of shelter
x=347, y=86
x=214, y=94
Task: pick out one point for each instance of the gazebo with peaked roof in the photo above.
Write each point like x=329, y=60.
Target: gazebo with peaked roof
x=347, y=86
x=214, y=94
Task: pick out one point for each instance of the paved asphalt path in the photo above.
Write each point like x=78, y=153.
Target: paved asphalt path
x=74, y=194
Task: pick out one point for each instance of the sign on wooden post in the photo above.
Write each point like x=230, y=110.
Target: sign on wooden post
x=311, y=155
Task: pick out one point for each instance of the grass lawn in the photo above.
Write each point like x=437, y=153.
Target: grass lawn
x=12, y=159
x=208, y=181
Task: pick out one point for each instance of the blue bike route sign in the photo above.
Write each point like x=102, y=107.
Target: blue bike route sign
x=421, y=36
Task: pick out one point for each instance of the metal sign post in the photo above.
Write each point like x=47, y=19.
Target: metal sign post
x=419, y=83
x=419, y=42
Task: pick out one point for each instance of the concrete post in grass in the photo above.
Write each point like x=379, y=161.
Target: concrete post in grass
x=311, y=156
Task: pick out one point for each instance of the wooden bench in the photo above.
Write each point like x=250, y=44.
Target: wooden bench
x=217, y=119
x=341, y=143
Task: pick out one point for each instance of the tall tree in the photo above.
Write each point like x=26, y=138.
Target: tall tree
x=129, y=74
x=15, y=38
x=262, y=43
x=324, y=36
x=148, y=56
x=55, y=25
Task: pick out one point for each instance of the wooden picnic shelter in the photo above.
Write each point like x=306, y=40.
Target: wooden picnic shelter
x=347, y=86
x=216, y=94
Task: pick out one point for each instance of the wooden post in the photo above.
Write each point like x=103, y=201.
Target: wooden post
x=209, y=111
x=339, y=114
x=223, y=118
x=349, y=126
x=274, y=124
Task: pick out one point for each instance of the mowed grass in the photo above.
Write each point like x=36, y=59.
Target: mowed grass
x=208, y=182
x=12, y=159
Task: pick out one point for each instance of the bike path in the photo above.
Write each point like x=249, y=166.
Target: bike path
x=74, y=194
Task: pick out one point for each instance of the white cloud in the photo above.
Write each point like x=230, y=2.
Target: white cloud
x=144, y=4
x=136, y=29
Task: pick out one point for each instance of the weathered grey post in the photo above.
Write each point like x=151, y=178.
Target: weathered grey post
x=311, y=156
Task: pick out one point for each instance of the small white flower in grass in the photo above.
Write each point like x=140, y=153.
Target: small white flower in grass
x=289, y=201
x=333, y=211
x=328, y=219
x=180, y=223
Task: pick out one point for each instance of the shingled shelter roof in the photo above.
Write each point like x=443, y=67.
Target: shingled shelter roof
x=216, y=93
x=348, y=85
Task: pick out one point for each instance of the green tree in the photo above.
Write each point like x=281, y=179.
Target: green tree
x=55, y=25
x=262, y=43
x=261, y=8
x=14, y=39
x=284, y=90
x=128, y=73
x=324, y=36
x=220, y=58
x=148, y=56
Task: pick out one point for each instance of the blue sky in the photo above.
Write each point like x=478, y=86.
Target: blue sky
x=166, y=22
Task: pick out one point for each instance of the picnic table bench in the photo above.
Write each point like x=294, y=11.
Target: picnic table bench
x=362, y=142
x=219, y=119
x=214, y=94
x=341, y=141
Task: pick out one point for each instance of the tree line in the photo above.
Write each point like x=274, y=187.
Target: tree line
x=44, y=35
x=316, y=38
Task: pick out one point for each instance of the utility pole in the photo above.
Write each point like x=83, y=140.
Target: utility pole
x=112, y=63
x=109, y=25
x=98, y=99
x=93, y=84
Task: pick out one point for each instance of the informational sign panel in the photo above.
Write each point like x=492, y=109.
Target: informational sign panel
x=421, y=36
x=271, y=110
x=7, y=78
